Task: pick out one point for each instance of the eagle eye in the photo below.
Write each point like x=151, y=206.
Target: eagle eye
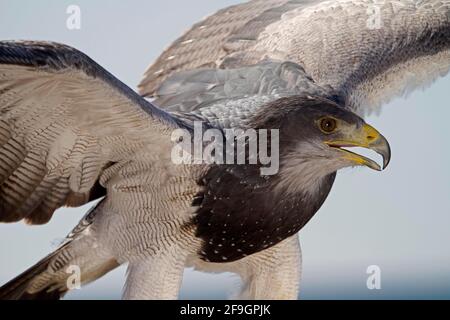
x=328, y=125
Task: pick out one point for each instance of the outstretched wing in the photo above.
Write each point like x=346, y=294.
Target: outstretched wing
x=367, y=51
x=65, y=124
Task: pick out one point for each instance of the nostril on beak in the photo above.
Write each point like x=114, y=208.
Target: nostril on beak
x=371, y=138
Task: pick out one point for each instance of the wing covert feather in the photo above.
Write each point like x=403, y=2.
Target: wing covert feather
x=63, y=120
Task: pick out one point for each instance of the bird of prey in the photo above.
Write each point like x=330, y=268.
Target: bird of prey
x=70, y=133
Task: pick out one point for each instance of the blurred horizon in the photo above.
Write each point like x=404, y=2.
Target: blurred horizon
x=398, y=219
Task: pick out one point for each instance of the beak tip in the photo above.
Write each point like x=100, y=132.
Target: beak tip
x=384, y=149
x=387, y=158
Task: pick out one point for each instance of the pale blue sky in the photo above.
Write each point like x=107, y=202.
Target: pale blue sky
x=398, y=219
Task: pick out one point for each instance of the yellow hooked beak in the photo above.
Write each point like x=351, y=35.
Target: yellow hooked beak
x=365, y=137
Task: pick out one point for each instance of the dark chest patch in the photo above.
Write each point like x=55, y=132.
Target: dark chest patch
x=239, y=214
